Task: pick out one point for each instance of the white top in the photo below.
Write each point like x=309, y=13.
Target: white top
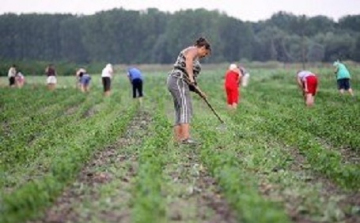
x=304, y=74
x=81, y=70
x=20, y=75
x=233, y=66
x=107, y=71
x=12, y=72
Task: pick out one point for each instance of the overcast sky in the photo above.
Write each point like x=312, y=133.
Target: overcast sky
x=246, y=10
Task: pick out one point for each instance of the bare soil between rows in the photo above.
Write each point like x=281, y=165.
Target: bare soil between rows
x=349, y=155
x=203, y=196
x=202, y=192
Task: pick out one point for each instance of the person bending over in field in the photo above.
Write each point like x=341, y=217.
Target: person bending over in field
x=232, y=80
x=136, y=79
x=106, y=76
x=11, y=75
x=182, y=80
x=20, y=79
x=343, y=78
x=85, y=82
x=51, y=77
x=245, y=76
x=78, y=76
x=308, y=83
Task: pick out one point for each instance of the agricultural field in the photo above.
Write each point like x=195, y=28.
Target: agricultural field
x=66, y=156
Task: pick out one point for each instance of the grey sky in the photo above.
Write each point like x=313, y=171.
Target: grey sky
x=246, y=10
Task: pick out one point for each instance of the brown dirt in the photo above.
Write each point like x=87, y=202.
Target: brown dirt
x=214, y=200
x=71, y=110
x=95, y=174
x=6, y=128
x=203, y=194
x=349, y=156
x=92, y=111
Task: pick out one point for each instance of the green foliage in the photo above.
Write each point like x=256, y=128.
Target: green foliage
x=65, y=147
x=152, y=36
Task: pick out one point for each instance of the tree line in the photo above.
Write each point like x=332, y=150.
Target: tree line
x=153, y=36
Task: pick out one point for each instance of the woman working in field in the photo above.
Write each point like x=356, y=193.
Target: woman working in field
x=180, y=81
x=51, y=77
x=106, y=76
x=136, y=79
x=308, y=83
x=245, y=76
x=232, y=81
x=11, y=75
x=83, y=79
x=343, y=78
x=19, y=79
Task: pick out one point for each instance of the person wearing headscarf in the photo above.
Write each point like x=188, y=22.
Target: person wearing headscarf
x=231, y=86
x=181, y=81
x=308, y=84
x=106, y=76
x=343, y=78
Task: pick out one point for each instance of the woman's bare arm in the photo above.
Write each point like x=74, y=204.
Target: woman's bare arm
x=190, y=55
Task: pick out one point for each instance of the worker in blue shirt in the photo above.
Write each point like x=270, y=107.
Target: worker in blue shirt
x=136, y=79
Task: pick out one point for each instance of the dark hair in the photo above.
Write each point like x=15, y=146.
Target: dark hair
x=203, y=42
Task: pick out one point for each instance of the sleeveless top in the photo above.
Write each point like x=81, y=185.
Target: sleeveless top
x=180, y=66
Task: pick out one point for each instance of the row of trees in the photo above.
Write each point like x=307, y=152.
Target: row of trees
x=152, y=36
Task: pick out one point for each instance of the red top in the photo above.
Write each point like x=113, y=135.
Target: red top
x=231, y=79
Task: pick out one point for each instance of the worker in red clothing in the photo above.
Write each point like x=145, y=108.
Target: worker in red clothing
x=232, y=88
x=308, y=84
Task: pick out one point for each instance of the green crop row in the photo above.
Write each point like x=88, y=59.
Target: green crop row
x=65, y=161
x=235, y=178
x=280, y=170
x=18, y=146
x=17, y=104
x=295, y=124
x=334, y=117
x=38, y=152
x=149, y=203
x=284, y=116
x=321, y=159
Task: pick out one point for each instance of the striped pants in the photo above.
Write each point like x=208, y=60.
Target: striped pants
x=182, y=99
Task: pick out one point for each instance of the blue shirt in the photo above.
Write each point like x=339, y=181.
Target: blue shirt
x=134, y=73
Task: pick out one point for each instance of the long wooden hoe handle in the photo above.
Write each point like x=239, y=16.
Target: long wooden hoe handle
x=206, y=101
